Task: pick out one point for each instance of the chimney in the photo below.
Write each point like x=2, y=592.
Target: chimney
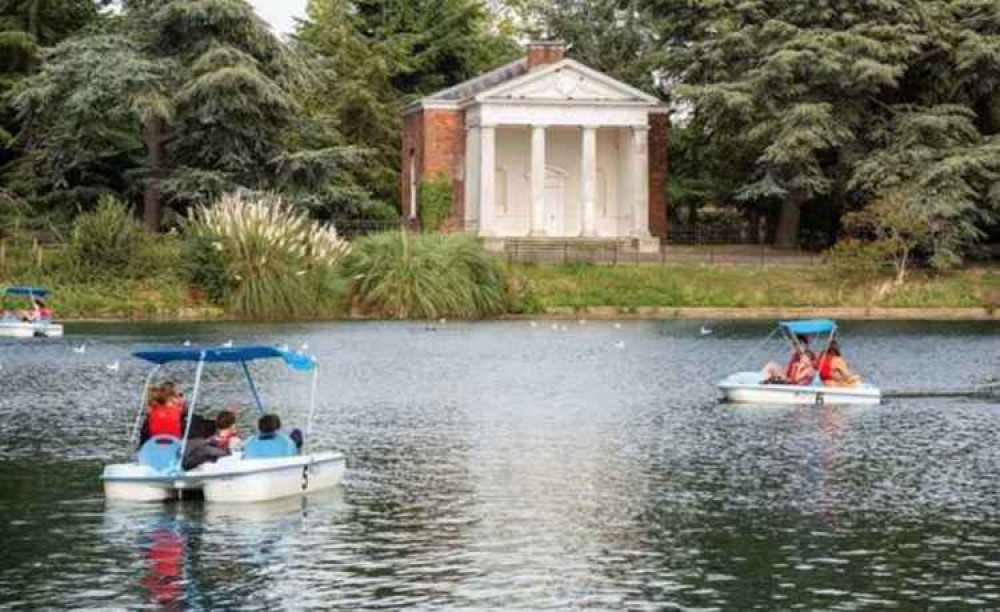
x=544, y=53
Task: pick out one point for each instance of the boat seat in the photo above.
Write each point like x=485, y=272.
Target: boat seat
x=160, y=453
x=270, y=446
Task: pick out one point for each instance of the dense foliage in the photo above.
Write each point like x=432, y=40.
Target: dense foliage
x=274, y=261
x=379, y=56
x=424, y=276
x=836, y=102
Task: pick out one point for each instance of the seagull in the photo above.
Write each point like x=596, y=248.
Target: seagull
x=442, y=320
x=533, y=323
x=555, y=326
x=305, y=346
x=227, y=344
x=618, y=325
x=113, y=366
x=582, y=321
x=706, y=330
x=80, y=349
x=620, y=345
x=187, y=343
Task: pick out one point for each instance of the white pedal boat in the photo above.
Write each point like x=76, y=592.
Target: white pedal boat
x=230, y=479
x=746, y=388
x=749, y=388
x=30, y=329
x=268, y=467
x=13, y=327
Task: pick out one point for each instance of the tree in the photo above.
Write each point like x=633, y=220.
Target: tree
x=202, y=88
x=615, y=37
x=837, y=100
x=381, y=55
x=26, y=27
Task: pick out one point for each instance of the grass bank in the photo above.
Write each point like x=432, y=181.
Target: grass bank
x=632, y=287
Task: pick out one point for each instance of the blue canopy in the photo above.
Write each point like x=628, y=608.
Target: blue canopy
x=236, y=354
x=810, y=326
x=26, y=291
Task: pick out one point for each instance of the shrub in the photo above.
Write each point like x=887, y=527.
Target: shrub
x=424, y=276
x=856, y=260
x=275, y=261
x=436, y=202
x=110, y=243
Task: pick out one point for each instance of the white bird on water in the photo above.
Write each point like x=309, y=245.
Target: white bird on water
x=582, y=321
x=706, y=330
x=533, y=323
x=618, y=325
x=80, y=349
x=227, y=344
x=114, y=367
x=187, y=343
x=555, y=326
x=305, y=346
x=620, y=345
x=442, y=321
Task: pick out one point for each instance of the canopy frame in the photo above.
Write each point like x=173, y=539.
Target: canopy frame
x=202, y=356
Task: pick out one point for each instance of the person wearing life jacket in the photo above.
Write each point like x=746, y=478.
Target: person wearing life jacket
x=226, y=437
x=833, y=369
x=165, y=417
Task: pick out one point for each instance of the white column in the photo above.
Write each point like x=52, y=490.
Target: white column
x=487, y=178
x=640, y=181
x=588, y=171
x=537, y=180
x=472, y=178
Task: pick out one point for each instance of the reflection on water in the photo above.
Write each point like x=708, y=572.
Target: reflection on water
x=502, y=466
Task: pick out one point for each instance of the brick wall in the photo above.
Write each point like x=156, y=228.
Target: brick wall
x=540, y=54
x=437, y=136
x=658, y=172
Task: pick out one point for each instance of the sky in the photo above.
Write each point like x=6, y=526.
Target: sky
x=280, y=14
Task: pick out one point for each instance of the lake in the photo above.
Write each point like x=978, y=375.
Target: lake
x=504, y=465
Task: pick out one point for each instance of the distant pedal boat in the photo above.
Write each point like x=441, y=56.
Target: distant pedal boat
x=748, y=388
x=15, y=328
x=266, y=468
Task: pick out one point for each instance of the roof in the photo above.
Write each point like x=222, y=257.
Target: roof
x=500, y=81
x=810, y=326
x=236, y=354
x=484, y=82
x=27, y=291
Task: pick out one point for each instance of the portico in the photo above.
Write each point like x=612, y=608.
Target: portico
x=551, y=150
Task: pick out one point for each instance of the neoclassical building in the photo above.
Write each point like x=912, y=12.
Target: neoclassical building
x=543, y=146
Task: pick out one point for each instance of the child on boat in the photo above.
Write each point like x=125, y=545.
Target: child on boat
x=226, y=435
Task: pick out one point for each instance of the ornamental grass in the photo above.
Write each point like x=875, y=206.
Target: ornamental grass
x=275, y=262
x=424, y=276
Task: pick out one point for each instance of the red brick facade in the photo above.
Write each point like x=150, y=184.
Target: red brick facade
x=540, y=54
x=435, y=139
x=658, y=170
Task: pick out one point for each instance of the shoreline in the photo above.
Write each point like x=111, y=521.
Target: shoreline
x=648, y=313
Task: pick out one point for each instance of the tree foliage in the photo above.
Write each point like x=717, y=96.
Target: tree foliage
x=379, y=56
x=830, y=98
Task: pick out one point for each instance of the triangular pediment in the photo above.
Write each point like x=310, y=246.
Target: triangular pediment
x=566, y=81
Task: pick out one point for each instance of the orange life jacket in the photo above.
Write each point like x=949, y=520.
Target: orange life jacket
x=826, y=367
x=165, y=420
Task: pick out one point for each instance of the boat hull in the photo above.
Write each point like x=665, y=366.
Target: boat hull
x=20, y=329
x=745, y=388
x=231, y=479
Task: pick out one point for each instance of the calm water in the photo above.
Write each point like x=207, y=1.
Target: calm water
x=499, y=465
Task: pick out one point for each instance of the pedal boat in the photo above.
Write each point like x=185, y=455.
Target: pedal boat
x=748, y=388
x=267, y=468
x=12, y=327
